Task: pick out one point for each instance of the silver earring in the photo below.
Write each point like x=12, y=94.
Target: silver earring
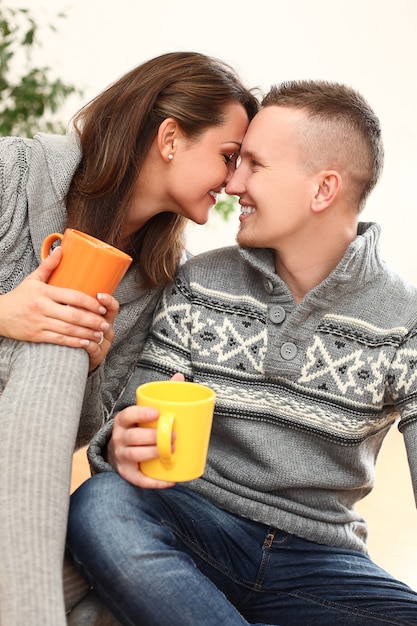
x=170, y=157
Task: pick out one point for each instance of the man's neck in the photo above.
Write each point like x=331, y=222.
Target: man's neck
x=304, y=267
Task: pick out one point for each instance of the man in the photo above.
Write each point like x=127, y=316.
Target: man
x=310, y=343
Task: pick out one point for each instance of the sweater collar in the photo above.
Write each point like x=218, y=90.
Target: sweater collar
x=360, y=264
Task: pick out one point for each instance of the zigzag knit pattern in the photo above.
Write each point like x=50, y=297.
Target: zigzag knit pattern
x=349, y=376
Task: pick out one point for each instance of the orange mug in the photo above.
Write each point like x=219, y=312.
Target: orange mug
x=187, y=410
x=87, y=264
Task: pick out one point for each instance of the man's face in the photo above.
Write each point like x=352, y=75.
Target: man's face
x=274, y=187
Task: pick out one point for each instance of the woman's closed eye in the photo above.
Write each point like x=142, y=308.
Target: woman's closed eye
x=231, y=158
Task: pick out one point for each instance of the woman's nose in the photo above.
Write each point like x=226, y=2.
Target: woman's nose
x=234, y=183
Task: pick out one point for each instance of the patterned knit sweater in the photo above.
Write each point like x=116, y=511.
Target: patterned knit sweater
x=305, y=394
x=35, y=175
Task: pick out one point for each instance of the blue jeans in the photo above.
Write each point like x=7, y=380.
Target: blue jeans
x=172, y=558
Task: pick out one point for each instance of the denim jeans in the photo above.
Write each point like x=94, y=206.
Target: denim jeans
x=171, y=557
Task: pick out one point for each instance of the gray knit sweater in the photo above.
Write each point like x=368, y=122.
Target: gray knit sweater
x=305, y=394
x=35, y=175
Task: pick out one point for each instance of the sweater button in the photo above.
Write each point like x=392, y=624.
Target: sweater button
x=277, y=314
x=288, y=351
x=268, y=285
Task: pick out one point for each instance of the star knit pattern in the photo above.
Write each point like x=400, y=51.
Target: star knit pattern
x=352, y=357
x=217, y=337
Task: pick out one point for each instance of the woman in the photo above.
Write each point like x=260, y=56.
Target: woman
x=152, y=150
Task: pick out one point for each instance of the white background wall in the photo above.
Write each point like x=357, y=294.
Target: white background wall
x=369, y=44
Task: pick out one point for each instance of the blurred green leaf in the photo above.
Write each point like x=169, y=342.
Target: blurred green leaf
x=226, y=206
x=30, y=95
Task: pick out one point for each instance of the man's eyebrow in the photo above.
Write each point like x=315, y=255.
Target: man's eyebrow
x=251, y=154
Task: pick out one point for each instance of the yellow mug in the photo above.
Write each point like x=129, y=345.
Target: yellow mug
x=87, y=264
x=186, y=409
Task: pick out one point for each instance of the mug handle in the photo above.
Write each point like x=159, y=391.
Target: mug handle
x=47, y=243
x=164, y=436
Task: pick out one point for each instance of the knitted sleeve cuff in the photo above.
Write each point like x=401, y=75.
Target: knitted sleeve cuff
x=97, y=450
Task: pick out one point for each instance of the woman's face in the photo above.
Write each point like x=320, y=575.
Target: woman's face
x=201, y=168
x=189, y=182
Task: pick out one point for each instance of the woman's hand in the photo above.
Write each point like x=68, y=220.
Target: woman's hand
x=98, y=348
x=130, y=444
x=37, y=312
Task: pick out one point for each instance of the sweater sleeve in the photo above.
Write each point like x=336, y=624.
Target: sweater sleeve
x=16, y=253
x=166, y=352
x=97, y=450
x=410, y=438
x=403, y=375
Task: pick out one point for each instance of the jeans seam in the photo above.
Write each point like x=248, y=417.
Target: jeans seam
x=269, y=542
x=196, y=549
x=389, y=619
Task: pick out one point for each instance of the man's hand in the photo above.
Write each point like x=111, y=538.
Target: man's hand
x=130, y=444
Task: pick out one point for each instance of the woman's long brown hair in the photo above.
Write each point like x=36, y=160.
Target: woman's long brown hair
x=116, y=131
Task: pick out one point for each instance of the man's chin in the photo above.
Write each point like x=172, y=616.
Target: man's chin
x=243, y=240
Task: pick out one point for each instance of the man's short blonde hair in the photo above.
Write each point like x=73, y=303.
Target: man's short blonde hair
x=340, y=131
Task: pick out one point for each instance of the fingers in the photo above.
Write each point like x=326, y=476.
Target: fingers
x=72, y=328
x=72, y=314
x=133, y=415
x=80, y=310
x=130, y=445
x=100, y=344
x=78, y=300
x=98, y=348
x=178, y=376
x=71, y=320
x=110, y=304
x=137, y=478
x=45, y=269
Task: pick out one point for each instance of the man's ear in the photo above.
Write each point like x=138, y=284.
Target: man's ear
x=168, y=133
x=328, y=187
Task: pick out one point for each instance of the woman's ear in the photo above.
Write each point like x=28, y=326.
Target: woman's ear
x=168, y=133
x=329, y=185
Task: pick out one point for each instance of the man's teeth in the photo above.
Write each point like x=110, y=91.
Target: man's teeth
x=214, y=195
x=247, y=210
